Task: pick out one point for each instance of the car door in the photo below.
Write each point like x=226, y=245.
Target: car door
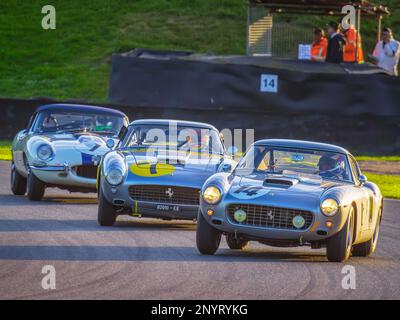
x=365, y=206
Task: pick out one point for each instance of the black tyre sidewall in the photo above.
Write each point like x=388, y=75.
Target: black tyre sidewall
x=17, y=182
x=235, y=244
x=106, y=215
x=35, y=188
x=367, y=248
x=208, y=238
x=337, y=250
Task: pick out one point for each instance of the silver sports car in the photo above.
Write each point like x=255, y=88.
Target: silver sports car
x=292, y=193
x=159, y=169
x=61, y=147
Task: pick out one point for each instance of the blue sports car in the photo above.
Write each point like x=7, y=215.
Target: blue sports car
x=158, y=169
x=292, y=193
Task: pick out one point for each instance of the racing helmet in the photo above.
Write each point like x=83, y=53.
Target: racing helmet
x=331, y=165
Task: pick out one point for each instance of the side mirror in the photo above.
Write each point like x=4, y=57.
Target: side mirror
x=363, y=179
x=232, y=150
x=226, y=167
x=122, y=133
x=110, y=143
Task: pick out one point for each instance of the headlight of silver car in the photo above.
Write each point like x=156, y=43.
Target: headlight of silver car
x=114, y=176
x=114, y=168
x=45, y=152
x=212, y=195
x=329, y=207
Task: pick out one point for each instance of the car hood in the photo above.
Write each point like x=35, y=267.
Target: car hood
x=281, y=187
x=82, y=142
x=172, y=169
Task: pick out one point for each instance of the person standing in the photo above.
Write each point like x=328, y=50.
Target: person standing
x=336, y=44
x=387, y=52
x=319, y=46
x=353, y=51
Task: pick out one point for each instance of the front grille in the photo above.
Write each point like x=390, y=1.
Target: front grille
x=87, y=171
x=165, y=194
x=270, y=217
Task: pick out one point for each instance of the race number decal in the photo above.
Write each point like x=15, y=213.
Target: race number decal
x=269, y=83
x=248, y=192
x=152, y=170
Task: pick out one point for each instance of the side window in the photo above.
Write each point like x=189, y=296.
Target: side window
x=355, y=170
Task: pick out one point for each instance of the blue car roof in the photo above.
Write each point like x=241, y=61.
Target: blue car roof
x=166, y=122
x=79, y=107
x=302, y=144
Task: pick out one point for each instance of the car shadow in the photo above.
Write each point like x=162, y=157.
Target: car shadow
x=152, y=253
x=21, y=225
x=13, y=200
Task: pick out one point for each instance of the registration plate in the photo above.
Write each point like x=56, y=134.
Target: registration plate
x=166, y=207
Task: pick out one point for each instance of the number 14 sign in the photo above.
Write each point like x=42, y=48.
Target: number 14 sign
x=269, y=83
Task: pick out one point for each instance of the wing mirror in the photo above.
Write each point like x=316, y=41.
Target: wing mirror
x=226, y=167
x=363, y=179
x=110, y=143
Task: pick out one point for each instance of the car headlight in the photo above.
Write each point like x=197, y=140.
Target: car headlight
x=45, y=152
x=114, y=176
x=212, y=195
x=329, y=207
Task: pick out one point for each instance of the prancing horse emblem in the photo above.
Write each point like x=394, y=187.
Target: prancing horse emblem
x=169, y=192
x=270, y=215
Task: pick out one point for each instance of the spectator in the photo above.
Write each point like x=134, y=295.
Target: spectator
x=387, y=52
x=351, y=48
x=336, y=44
x=319, y=46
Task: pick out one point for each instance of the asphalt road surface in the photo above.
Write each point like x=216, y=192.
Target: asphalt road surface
x=152, y=259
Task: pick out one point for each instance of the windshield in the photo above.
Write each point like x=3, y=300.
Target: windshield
x=180, y=138
x=60, y=122
x=271, y=160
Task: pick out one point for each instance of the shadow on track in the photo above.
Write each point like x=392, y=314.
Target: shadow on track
x=148, y=253
x=9, y=225
x=12, y=200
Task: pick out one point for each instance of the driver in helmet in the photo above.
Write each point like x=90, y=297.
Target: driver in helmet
x=331, y=166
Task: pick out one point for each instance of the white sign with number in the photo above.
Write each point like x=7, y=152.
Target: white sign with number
x=269, y=83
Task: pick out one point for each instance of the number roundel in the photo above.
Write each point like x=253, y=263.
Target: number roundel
x=146, y=169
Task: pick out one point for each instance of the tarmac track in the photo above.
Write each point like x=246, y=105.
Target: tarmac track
x=153, y=259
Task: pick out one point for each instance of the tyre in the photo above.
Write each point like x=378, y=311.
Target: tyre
x=106, y=215
x=18, y=182
x=339, y=246
x=367, y=248
x=207, y=237
x=35, y=187
x=235, y=243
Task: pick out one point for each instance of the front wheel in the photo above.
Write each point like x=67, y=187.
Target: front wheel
x=339, y=246
x=207, y=237
x=367, y=248
x=106, y=215
x=18, y=182
x=36, y=187
x=235, y=243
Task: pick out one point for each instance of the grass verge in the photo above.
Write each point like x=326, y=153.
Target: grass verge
x=5, y=150
x=389, y=184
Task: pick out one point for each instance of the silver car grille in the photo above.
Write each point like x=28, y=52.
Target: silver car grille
x=270, y=217
x=165, y=194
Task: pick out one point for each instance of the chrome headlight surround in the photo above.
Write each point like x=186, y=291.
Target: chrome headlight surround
x=329, y=207
x=45, y=152
x=212, y=195
x=114, y=169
